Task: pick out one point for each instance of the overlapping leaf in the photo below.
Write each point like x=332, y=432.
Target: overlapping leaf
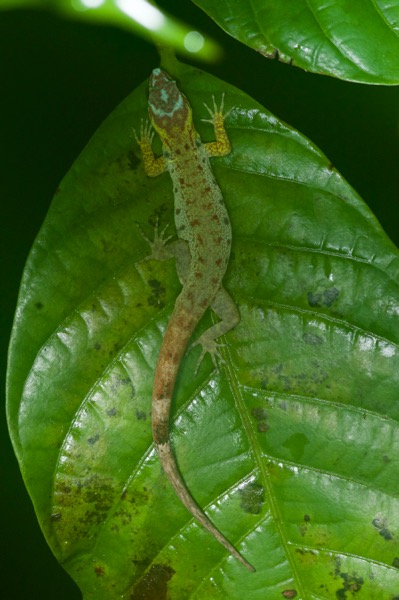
x=357, y=40
x=291, y=447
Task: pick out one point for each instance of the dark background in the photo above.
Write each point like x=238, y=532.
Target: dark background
x=58, y=80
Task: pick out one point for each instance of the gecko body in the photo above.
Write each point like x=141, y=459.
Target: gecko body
x=202, y=252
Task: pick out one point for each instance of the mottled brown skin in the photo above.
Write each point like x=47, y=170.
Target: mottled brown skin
x=202, y=252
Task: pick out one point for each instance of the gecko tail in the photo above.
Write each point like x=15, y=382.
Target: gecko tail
x=169, y=465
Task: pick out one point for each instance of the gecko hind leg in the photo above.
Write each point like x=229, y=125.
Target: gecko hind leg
x=227, y=311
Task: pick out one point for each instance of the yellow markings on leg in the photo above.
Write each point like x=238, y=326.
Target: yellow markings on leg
x=153, y=166
x=222, y=146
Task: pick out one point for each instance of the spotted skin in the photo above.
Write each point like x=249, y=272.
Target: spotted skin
x=202, y=252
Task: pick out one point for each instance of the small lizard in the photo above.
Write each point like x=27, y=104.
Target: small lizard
x=202, y=252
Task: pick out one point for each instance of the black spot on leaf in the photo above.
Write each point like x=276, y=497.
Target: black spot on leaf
x=252, y=498
x=92, y=440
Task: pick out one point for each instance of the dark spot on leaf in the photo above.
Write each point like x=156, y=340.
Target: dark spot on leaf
x=157, y=292
x=386, y=534
x=330, y=296
x=395, y=562
x=263, y=427
x=306, y=518
x=312, y=339
x=380, y=524
x=153, y=586
x=99, y=570
x=133, y=160
x=323, y=298
x=314, y=299
x=260, y=415
x=92, y=440
x=85, y=504
x=303, y=530
x=296, y=444
x=252, y=498
x=352, y=584
x=97, y=346
x=141, y=415
x=289, y=593
x=39, y=305
x=55, y=517
x=112, y=412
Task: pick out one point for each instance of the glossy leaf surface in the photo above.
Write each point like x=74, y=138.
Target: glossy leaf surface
x=350, y=39
x=291, y=447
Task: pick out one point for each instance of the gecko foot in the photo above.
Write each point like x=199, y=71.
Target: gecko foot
x=217, y=114
x=146, y=132
x=208, y=345
x=158, y=244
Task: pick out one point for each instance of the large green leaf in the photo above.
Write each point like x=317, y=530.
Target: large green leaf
x=291, y=447
x=355, y=40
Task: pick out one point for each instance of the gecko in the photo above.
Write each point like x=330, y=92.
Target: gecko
x=201, y=251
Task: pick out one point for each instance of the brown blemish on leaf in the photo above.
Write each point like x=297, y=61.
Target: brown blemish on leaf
x=154, y=584
x=289, y=593
x=99, y=570
x=263, y=427
x=84, y=504
x=261, y=416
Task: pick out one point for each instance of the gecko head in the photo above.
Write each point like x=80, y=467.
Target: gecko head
x=168, y=109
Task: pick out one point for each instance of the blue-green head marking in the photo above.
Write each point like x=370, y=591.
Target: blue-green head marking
x=168, y=109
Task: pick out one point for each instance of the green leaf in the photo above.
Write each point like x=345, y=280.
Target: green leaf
x=349, y=39
x=291, y=447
